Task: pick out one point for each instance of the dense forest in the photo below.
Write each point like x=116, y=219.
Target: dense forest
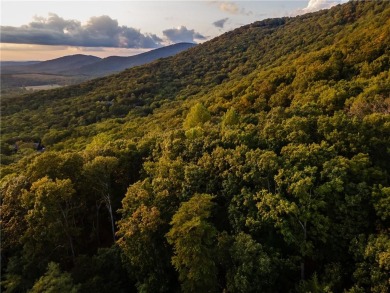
x=258, y=161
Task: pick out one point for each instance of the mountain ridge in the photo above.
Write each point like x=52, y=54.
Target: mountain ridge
x=114, y=64
x=246, y=56
x=92, y=65
x=54, y=66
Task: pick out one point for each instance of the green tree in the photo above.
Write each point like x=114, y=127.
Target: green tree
x=372, y=258
x=54, y=281
x=52, y=209
x=381, y=199
x=13, y=222
x=230, y=118
x=141, y=239
x=99, y=173
x=251, y=269
x=347, y=188
x=296, y=210
x=197, y=116
x=193, y=238
x=261, y=167
x=55, y=165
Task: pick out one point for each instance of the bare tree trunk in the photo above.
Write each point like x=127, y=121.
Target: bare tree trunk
x=66, y=228
x=303, y=257
x=304, y=229
x=109, y=207
x=71, y=247
x=97, y=222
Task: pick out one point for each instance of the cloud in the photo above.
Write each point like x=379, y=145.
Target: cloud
x=99, y=31
x=182, y=34
x=231, y=7
x=220, y=23
x=315, y=5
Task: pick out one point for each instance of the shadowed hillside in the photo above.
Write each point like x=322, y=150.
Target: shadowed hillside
x=115, y=63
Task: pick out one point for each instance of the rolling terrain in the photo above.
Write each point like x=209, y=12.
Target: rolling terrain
x=254, y=162
x=16, y=63
x=115, y=64
x=56, y=66
x=74, y=69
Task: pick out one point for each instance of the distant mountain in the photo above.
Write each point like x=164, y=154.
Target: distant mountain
x=17, y=63
x=55, y=66
x=91, y=65
x=114, y=64
x=66, y=63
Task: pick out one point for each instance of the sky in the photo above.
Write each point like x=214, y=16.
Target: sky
x=43, y=30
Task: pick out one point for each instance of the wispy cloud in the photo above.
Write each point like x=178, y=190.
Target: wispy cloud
x=99, y=31
x=220, y=23
x=182, y=34
x=231, y=7
x=228, y=7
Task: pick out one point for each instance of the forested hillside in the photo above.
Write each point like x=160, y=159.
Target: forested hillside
x=255, y=162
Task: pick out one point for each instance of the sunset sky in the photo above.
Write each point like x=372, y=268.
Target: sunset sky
x=42, y=30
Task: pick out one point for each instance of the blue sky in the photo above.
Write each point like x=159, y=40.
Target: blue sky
x=41, y=30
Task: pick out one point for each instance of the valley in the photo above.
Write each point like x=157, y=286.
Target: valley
x=74, y=69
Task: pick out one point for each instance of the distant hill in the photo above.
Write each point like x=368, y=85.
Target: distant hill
x=114, y=64
x=74, y=69
x=88, y=65
x=55, y=66
x=17, y=63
